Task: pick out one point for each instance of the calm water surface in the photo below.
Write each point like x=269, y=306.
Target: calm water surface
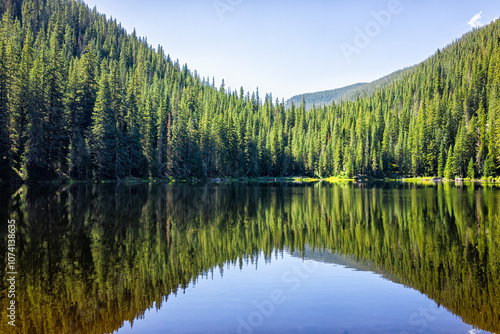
x=263, y=258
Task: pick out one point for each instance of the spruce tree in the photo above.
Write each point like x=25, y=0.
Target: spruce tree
x=5, y=156
x=20, y=98
x=55, y=121
x=470, y=169
x=132, y=132
x=449, y=169
x=104, y=131
x=35, y=164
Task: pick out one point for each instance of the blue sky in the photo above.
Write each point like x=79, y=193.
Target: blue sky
x=290, y=47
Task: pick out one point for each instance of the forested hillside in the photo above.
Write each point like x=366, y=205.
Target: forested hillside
x=319, y=99
x=348, y=93
x=82, y=99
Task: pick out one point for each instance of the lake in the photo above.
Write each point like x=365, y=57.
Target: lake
x=253, y=258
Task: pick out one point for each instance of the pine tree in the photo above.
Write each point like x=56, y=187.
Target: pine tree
x=117, y=106
x=20, y=100
x=132, y=131
x=104, y=131
x=180, y=136
x=470, y=169
x=449, y=169
x=481, y=145
x=441, y=160
x=55, y=121
x=489, y=166
x=72, y=112
x=252, y=153
x=151, y=136
x=88, y=86
x=163, y=115
x=35, y=165
x=5, y=155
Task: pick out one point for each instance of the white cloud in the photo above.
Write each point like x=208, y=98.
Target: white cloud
x=475, y=22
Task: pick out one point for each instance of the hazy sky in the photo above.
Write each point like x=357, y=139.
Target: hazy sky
x=292, y=47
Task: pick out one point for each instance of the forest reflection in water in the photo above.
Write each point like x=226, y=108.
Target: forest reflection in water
x=92, y=256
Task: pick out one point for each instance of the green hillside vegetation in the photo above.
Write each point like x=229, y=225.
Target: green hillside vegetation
x=82, y=99
x=348, y=93
x=319, y=99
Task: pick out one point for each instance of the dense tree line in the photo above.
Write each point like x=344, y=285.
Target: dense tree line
x=326, y=97
x=348, y=93
x=81, y=98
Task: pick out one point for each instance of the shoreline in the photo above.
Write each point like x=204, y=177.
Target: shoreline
x=288, y=179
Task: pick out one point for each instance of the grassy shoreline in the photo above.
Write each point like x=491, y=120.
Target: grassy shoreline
x=294, y=179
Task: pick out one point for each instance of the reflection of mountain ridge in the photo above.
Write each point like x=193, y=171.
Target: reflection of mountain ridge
x=94, y=256
x=326, y=256
x=344, y=260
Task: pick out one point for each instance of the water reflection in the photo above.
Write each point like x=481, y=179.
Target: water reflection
x=91, y=257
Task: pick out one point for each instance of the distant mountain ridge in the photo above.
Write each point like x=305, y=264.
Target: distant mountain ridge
x=324, y=97
x=347, y=93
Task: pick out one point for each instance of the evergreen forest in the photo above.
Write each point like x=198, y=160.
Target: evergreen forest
x=82, y=99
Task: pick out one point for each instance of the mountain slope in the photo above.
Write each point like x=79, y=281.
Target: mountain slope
x=80, y=98
x=348, y=93
x=440, y=118
x=325, y=97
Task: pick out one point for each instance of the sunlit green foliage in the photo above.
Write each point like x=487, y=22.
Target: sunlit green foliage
x=64, y=69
